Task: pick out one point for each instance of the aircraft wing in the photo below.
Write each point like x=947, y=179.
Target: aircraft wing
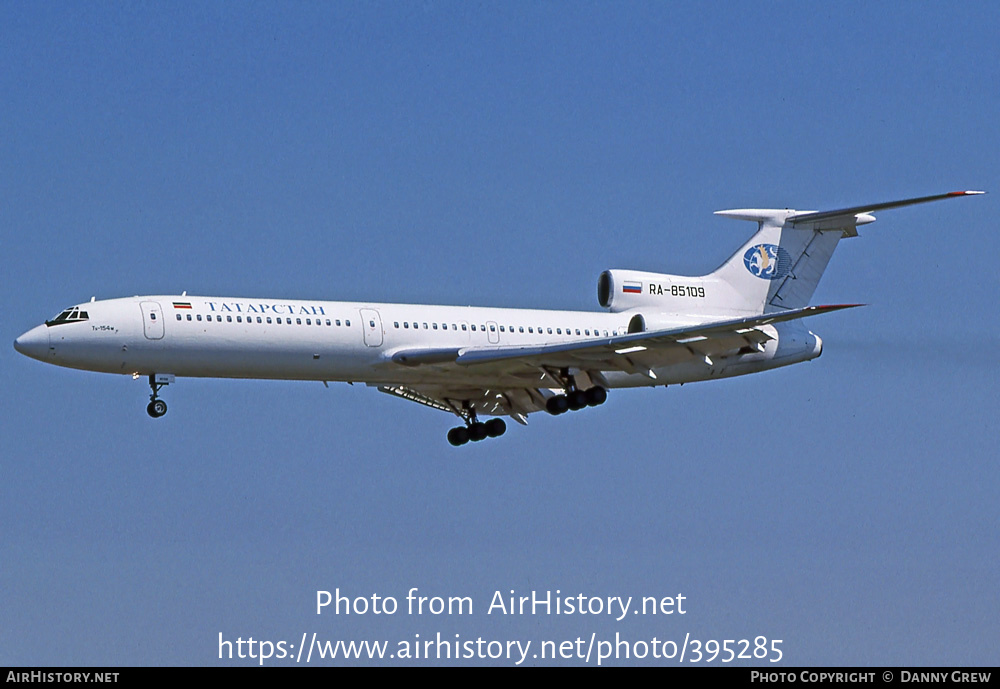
x=632, y=353
x=638, y=352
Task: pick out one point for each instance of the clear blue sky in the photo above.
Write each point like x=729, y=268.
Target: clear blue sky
x=500, y=154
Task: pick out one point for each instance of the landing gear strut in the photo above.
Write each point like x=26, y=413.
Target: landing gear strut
x=474, y=429
x=157, y=407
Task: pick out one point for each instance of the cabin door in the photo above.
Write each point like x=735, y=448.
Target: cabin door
x=371, y=324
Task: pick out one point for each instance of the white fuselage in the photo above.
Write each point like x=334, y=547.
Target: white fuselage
x=223, y=337
x=659, y=329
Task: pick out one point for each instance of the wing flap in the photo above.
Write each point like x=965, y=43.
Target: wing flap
x=515, y=403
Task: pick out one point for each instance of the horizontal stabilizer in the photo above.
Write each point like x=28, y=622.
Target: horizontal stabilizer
x=841, y=218
x=846, y=213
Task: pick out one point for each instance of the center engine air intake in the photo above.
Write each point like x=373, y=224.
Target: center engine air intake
x=621, y=290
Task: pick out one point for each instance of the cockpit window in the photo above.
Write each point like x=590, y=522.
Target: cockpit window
x=73, y=315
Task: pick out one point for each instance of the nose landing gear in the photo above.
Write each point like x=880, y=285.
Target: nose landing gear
x=157, y=407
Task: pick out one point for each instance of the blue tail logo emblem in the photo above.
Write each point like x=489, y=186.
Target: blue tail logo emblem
x=768, y=261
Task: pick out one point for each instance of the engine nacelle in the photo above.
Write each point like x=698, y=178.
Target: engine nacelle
x=621, y=290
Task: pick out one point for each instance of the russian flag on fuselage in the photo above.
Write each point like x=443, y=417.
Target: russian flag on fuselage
x=632, y=287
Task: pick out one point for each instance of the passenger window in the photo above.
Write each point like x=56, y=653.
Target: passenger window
x=258, y=319
x=328, y=321
x=558, y=331
x=425, y=326
x=309, y=321
x=239, y=319
x=550, y=331
x=464, y=326
x=298, y=321
x=493, y=328
x=473, y=328
x=189, y=316
x=347, y=323
x=152, y=317
x=434, y=326
x=338, y=323
x=501, y=328
x=268, y=320
x=229, y=319
x=178, y=317
x=406, y=325
x=199, y=316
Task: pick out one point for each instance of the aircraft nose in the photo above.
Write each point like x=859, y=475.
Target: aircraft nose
x=34, y=343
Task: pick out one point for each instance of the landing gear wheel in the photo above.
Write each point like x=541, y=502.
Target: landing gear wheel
x=156, y=408
x=596, y=396
x=458, y=436
x=477, y=432
x=495, y=428
x=557, y=405
x=577, y=399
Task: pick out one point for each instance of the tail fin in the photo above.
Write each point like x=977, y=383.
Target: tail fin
x=781, y=265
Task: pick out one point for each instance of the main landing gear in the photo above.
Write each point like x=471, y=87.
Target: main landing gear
x=157, y=407
x=476, y=430
x=576, y=399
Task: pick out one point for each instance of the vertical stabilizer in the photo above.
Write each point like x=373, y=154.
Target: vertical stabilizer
x=781, y=265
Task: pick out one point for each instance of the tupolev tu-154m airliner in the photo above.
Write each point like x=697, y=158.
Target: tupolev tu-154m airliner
x=657, y=329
